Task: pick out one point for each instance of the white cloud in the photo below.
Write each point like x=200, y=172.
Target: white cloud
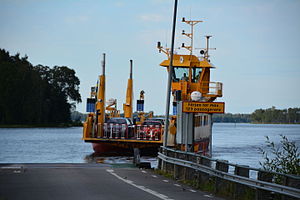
x=119, y=4
x=76, y=19
x=152, y=18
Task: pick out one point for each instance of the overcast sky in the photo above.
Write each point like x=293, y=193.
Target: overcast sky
x=257, y=42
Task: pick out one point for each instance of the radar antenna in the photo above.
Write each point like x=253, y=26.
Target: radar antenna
x=204, y=51
x=190, y=35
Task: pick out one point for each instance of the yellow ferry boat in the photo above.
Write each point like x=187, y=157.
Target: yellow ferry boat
x=193, y=104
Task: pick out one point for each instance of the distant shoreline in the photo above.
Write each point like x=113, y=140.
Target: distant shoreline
x=273, y=123
x=81, y=125
x=41, y=125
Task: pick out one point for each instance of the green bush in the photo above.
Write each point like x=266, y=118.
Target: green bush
x=283, y=158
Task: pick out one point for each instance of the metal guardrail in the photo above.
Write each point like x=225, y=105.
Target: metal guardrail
x=263, y=185
x=228, y=163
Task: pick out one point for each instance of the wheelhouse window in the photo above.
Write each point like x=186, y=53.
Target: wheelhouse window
x=181, y=74
x=196, y=74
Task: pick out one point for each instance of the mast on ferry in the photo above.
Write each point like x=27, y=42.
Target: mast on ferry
x=127, y=107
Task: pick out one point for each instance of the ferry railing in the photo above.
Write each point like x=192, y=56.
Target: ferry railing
x=259, y=179
x=212, y=88
x=139, y=132
x=149, y=132
x=115, y=131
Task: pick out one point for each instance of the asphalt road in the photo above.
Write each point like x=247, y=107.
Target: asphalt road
x=89, y=182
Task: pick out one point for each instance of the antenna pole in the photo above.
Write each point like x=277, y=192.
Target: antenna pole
x=207, y=45
x=192, y=38
x=130, y=76
x=192, y=23
x=103, y=64
x=170, y=78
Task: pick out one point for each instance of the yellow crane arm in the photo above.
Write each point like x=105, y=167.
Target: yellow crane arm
x=127, y=107
x=100, y=104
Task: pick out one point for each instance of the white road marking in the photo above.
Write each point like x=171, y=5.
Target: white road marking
x=192, y=190
x=161, y=196
x=154, y=176
x=12, y=167
x=144, y=171
x=177, y=185
x=209, y=196
x=167, y=181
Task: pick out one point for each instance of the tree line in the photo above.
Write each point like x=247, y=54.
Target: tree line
x=262, y=116
x=35, y=94
x=232, y=118
x=273, y=115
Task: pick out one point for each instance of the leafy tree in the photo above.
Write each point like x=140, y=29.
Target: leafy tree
x=35, y=94
x=65, y=80
x=62, y=79
x=284, y=158
x=63, y=86
x=16, y=87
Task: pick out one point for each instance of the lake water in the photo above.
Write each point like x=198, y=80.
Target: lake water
x=240, y=143
x=237, y=143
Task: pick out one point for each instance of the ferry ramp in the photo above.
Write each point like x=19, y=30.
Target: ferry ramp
x=90, y=181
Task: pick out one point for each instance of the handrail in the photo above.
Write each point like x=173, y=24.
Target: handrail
x=264, y=185
x=231, y=164
x=213, y=88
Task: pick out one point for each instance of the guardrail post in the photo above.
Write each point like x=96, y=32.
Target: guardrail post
x=181, y=169
x=159, y=165
x=189, y=172
x=242, y=191
x=184, y=157
x=290, y=182
x=205, y=181
x=205, y=161
x=242, y=170
x=222, y=165
x=164, y=164
x=170, y=166
x=222, y=187
x=175, y=174
x=198, y=159
x=262, y=194
x=195, y=174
